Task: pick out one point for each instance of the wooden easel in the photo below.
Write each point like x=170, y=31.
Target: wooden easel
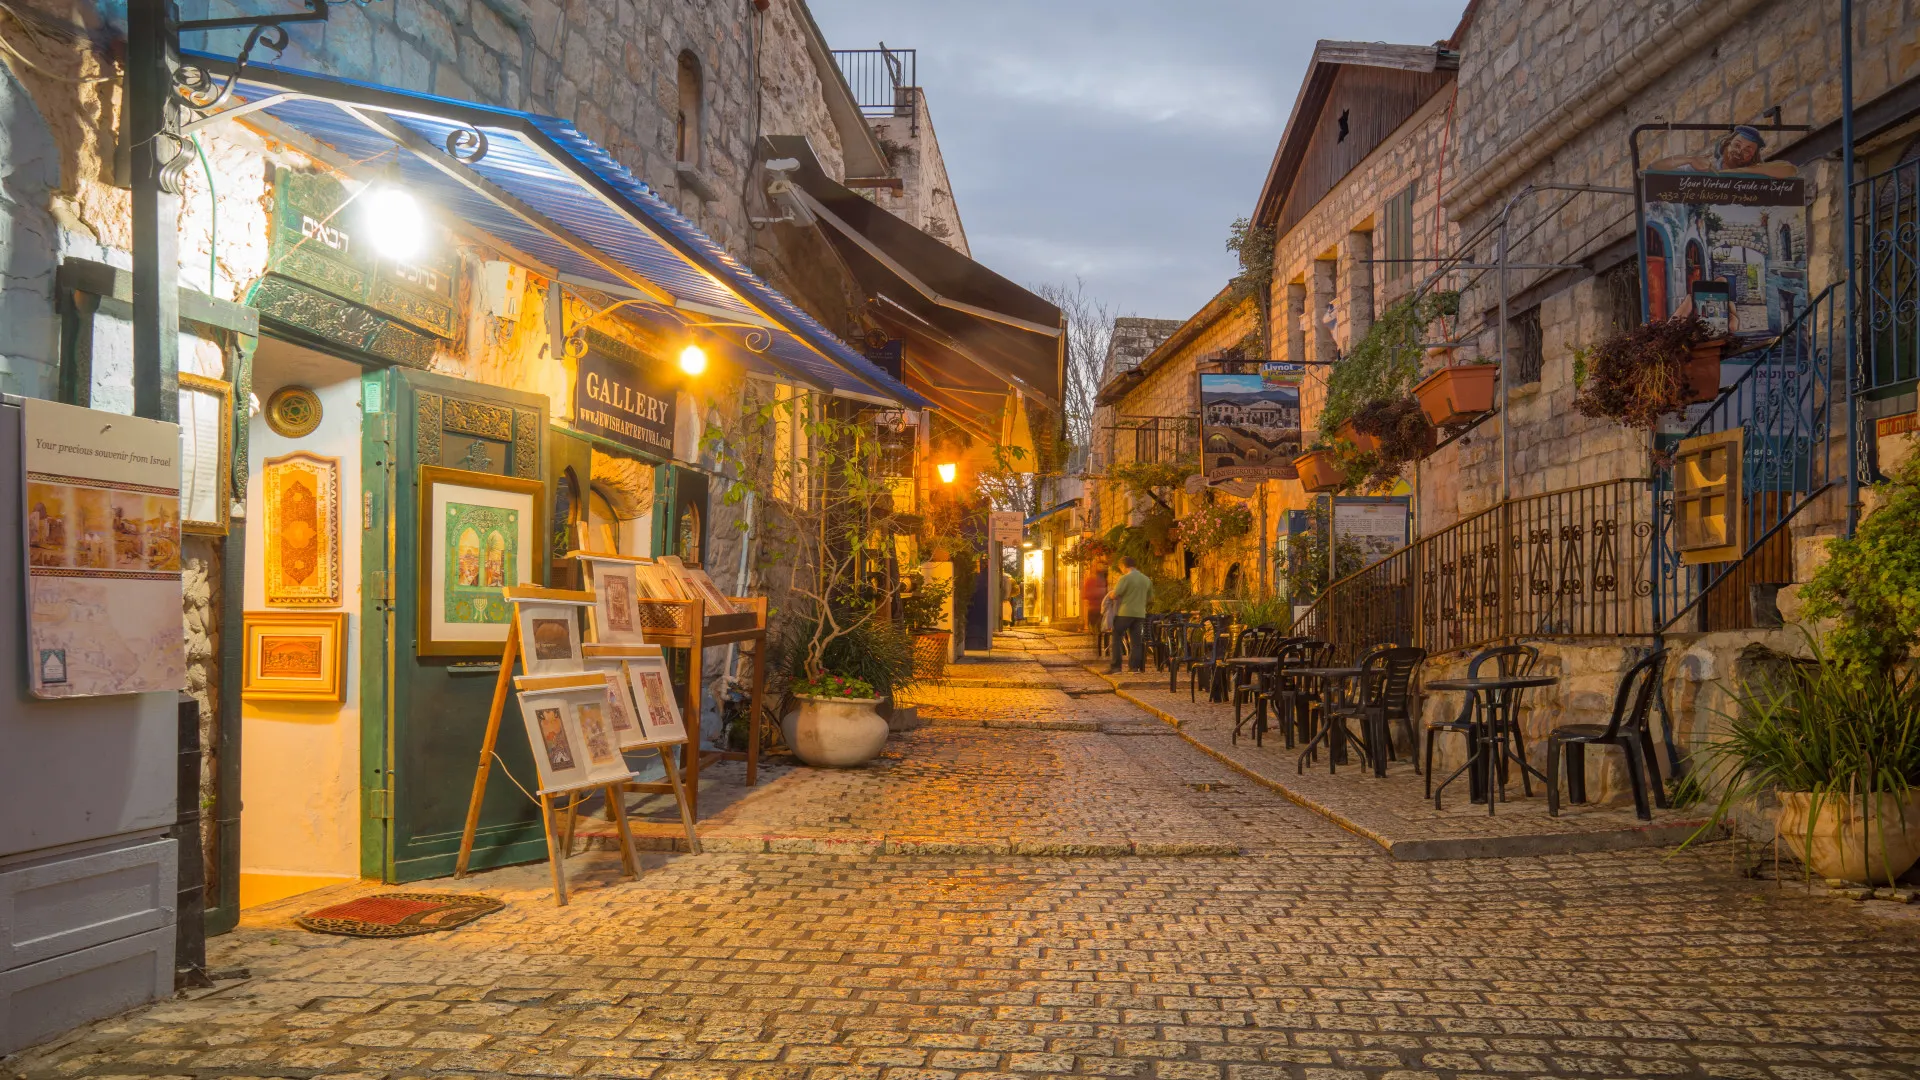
x=509, y=656
x=557, y=852
x=674, y=786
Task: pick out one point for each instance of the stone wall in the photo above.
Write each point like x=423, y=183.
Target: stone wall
x=925, y=199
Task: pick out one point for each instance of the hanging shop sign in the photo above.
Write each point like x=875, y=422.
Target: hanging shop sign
x=1006, y=527
x=319, y=239
x=103, y=552
x=1250, y=426
x=621, y=395
x=1727, y=245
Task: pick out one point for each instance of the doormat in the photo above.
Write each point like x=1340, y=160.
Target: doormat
x=399, y=914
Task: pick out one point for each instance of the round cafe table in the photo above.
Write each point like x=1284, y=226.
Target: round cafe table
x=1330, y=680
x=1493, y=702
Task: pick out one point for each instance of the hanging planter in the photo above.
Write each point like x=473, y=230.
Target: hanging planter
x=1456, y=394
x=1320, y=471
x=1702, y=372
x=1361, y=441
x=1638, y=376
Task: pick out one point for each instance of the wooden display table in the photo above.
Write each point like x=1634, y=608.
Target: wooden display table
x=684, y=624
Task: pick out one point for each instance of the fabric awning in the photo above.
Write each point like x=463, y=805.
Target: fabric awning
x=972, y=337
x=548, y=192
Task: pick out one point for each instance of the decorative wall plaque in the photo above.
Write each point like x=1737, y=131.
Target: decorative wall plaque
x=293, y=412
x=301, y=495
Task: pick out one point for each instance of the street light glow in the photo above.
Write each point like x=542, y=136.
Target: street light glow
x=948, y=470
x=395, y=221
x=693, y=360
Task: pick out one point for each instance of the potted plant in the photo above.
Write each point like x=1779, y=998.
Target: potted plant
x=1400, y=432
x=1213, y=526
x=1838, y=737
x=924, y=609
x=1319, y=469
x=1457, y=393
x=1362, y=441
x=1642, y=373
x=1383, y=365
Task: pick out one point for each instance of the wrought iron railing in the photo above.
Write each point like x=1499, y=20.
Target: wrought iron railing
x=1153, y=439
x=1785, y=400
x=883, y=80
x=1887, y=215
x=1566, y=564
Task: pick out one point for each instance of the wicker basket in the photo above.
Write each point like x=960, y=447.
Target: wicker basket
x=930, y=652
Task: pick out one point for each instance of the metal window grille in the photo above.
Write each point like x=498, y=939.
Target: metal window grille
x=1527, y=345
x=1620, y=296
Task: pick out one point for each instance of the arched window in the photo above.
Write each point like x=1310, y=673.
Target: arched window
x=1656, y=274
x=687, y=119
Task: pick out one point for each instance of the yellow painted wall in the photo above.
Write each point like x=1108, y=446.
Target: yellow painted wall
x=300, y=761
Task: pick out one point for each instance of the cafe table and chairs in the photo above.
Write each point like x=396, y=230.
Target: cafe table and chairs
x=1260, y=654
x=1331, y=684
x=1494, y=740
x=1384, y=695
x=1295, y=706
x=1505, y=661
x=1209, y=665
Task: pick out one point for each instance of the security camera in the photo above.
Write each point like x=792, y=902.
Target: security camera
x=782, y=193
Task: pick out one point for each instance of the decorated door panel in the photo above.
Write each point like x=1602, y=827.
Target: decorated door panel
x=469, y=508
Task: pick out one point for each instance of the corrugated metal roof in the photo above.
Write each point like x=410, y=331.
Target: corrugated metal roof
x=550, y=167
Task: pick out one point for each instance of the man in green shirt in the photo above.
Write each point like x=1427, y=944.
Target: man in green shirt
x=1130, y=596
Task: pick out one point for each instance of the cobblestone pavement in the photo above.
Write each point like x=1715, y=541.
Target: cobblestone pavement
x=1311, y=955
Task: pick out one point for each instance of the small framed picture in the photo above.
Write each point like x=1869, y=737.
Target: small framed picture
x=295, y=656
x=616, y=611
x=206, y=454
x=653, y=695
x=573, y=740
x=549, y=636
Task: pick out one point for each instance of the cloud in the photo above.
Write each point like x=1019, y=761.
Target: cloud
x=1151, y=89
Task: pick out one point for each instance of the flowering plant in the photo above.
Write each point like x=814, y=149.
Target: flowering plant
x=1214, y=525
x=833, y=686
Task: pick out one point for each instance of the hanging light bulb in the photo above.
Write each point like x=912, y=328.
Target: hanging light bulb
x=693, y=360
x=395, y=222
x=948, y=470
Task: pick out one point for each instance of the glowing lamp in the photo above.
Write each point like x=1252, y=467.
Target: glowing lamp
x=395, y=222
x=948, y=470
x=693, y=360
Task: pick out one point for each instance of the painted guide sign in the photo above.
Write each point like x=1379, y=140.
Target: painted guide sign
x=102, y=519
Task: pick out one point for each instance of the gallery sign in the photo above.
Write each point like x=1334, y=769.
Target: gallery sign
x=1249, y=426
x=103, y=552
x=620, y=395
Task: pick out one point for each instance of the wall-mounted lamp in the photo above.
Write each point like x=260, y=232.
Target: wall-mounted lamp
x=395, y=221
x=948, y=470
x=693, y=360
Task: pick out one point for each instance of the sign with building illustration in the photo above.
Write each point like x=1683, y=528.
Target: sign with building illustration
x=623, y=396
x=103, y=552
x=1250, y=426
x=1726, y=244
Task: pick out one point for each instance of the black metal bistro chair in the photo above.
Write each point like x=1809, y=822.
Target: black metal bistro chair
x=1510, y=661
x=1385, y=695
x=1627, y=729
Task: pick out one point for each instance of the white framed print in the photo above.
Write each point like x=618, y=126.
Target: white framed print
x=549, y=636
x=477, y=538
x=573, y=742
x=616, y=590
x=623, y=713
x=653, y=694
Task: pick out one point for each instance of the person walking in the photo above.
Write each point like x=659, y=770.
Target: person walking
x=1130, y=595
x=1093, y=596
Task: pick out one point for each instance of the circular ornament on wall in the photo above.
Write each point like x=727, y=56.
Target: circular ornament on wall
x=293, y=411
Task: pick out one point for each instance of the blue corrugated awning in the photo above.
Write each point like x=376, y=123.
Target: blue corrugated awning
x=1050, y=511
x=545, y=190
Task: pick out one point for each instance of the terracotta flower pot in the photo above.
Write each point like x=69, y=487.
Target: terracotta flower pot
x=1361, y=441
x=1319, y=471
x=1703, y=371
x=1456, y=394
x=1837, y=849
x=835, y=732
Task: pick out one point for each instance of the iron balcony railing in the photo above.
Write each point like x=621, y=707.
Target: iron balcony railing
x=1160, y=440
x=883, y=80
x=1784, y=399
x=1887, y=215
x=1566, y=564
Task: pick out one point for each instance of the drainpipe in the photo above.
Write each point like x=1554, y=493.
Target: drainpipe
x=1846, y=186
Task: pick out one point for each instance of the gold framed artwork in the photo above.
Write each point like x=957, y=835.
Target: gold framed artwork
x=206, y=455
x=295, y=656
x=478, y=537
x=293, y=412
x=300, y=497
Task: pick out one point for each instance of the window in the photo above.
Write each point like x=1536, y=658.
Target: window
x=1707, y=498
x=1398, y=226
x=687, y=119
x=1620, y=297
x=1526, y=349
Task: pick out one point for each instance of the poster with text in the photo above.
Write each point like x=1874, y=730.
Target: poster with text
x=1250, y=426
x=103, y=552
x=1378, y=524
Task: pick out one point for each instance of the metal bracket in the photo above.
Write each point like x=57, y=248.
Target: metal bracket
x=380, y=803
x=381, y=581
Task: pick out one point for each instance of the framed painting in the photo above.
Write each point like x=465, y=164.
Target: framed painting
x=295, y=656
x=616, y=589
x=623, y=715
x=653, y=695
x=573, y=740
x=549, y=637
x=206, y=455
x=477, y=537
x=300, y=498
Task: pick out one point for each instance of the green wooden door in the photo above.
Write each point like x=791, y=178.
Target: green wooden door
x=423, y=732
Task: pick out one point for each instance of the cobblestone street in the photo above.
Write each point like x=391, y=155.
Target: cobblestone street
x=1128, y=943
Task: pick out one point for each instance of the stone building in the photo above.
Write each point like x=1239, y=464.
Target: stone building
x=637, y=217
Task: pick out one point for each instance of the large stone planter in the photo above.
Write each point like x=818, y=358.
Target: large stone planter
x=1837, y=848
x=835, y=732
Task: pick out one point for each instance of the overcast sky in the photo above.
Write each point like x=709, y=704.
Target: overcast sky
x=1115, y=140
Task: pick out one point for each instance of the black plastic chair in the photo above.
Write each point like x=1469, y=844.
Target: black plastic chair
x=1333, y=731
x=1254, y=641
x=1218, y=641
x=1295, y=706
x=1510, y=662
x=1268, y=684
x=1627, y=729
x=1386, y=694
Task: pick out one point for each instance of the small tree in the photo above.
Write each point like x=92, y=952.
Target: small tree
x=827, y=516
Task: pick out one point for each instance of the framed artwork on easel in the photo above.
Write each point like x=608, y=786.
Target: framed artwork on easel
x=642, y=671
x=617, y=592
